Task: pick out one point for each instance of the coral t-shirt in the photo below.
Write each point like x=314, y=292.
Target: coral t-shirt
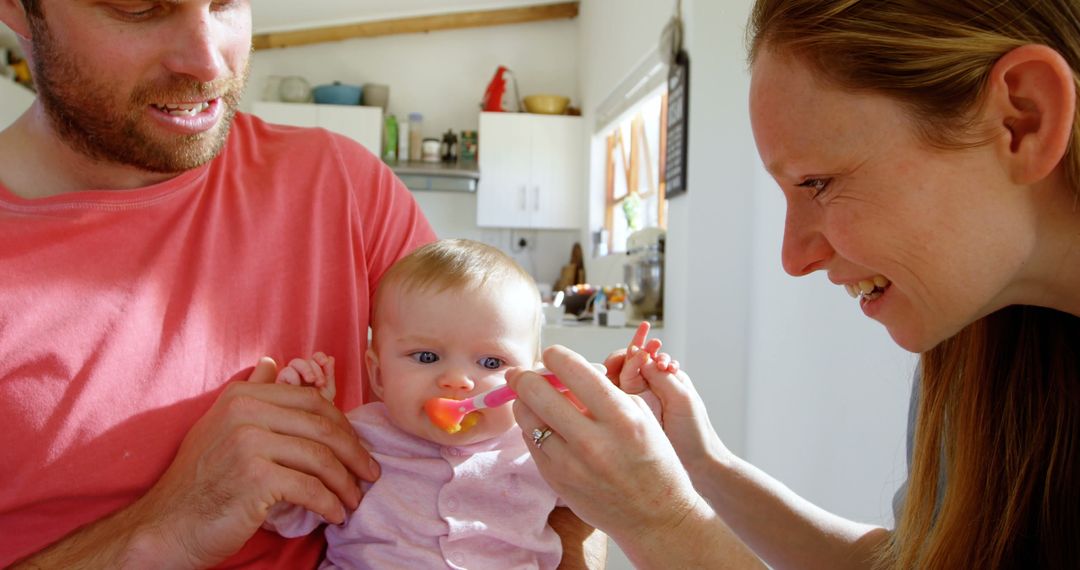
x=123, y=314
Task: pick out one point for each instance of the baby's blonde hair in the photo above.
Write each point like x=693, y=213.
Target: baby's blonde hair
x=458, y=265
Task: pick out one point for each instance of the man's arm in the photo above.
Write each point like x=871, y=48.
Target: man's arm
x=584, y=547
x=258, y=445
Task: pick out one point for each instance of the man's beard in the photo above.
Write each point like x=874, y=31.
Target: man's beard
x=82, y=112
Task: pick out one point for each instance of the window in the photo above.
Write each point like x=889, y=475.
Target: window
x=633, y=182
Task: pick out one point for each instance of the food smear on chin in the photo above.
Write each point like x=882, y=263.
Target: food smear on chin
x=467, y=422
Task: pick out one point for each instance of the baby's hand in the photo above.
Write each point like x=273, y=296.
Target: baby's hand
x=318, y=371
x=630, y=376
x=640, y=362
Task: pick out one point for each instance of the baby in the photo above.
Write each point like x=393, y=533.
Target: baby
x=448, y=320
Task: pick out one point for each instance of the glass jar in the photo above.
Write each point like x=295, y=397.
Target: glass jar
x=416, y=136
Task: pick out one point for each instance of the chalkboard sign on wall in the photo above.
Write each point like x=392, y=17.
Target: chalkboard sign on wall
x=678, y=118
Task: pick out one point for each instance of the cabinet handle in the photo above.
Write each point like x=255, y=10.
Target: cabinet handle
x=536, y=198
x=524, y=197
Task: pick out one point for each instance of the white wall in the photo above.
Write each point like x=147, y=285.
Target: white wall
x=453, y=214
x=443, y=75
x=14, y=100
x=795, y=378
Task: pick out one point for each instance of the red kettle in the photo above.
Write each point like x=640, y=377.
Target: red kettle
x=497, y=97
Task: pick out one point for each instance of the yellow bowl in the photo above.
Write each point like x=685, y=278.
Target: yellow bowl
x=546, y=104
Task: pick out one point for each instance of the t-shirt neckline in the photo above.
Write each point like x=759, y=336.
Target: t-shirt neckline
x=99, y=199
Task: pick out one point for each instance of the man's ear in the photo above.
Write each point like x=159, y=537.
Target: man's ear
x=374, y=378
x=1031, y=94
x=13, y=14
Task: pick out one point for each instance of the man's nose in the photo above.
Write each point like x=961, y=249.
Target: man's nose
x=196, y=47
x=805, y=248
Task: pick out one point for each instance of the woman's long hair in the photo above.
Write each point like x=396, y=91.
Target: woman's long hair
x=999, y=412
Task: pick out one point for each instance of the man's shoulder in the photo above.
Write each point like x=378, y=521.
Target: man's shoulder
x=247, y=129
x=256, y=142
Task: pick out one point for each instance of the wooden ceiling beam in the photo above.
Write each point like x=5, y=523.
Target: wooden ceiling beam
x=417, y=25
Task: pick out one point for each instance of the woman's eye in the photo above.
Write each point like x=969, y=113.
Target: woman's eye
x=425, y=357
x=491, y=363
x=817, y=186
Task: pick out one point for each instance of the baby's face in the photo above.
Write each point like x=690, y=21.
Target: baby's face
x=453, y=344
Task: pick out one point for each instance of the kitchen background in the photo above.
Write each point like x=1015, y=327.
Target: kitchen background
x=795, y=378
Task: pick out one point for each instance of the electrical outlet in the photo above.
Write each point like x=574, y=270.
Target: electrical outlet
x=522, y=240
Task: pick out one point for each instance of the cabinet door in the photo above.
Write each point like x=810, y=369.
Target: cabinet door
x=294, y=114
x=361, y=124
x=556, y=191
x=505, y=162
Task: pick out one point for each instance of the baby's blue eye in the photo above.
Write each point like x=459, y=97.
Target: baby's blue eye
x=490, y=362
x=425, y=357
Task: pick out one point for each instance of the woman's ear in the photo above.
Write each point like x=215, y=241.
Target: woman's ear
x=13, y=14
x=374, y=378
x=1031, y=94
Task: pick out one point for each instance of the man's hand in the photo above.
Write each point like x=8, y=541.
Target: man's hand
x=259, y=444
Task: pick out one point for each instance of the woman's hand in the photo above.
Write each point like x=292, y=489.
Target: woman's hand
x=685, y=419
x=611, y=463
x=654, y=376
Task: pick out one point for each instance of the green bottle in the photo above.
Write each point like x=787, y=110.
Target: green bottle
x=390, y=142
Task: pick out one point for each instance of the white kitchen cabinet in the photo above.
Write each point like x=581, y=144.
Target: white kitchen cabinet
x=362, y=124
x=530, y=171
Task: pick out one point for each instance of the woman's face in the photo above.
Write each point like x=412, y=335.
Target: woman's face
x=936, y=238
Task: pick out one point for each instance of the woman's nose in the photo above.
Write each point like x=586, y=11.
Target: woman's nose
x=805, y=248
x=455, y=380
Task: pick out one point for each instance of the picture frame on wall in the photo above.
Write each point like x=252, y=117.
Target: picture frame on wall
x=678, y=117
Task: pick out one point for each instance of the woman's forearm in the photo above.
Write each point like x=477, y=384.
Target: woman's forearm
x=785, y=530
x=698, y=540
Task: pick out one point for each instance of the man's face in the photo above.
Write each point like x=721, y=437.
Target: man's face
x=151, y=85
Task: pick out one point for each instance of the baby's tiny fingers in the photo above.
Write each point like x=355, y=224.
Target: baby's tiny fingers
x=288, y=375
x=304, y=368
x=328, y=369
x=318, y=377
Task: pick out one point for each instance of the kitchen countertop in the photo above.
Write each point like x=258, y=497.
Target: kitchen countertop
x=593, y=342
x=463, y=169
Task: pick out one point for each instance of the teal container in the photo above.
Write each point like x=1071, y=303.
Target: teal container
x=337, y=94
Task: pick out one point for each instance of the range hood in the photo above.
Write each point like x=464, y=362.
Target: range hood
x=438, y=176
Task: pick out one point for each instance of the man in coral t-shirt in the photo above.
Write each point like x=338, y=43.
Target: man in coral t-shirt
x=154, y=245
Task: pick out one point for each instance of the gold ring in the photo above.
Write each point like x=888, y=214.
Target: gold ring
x=539, y=435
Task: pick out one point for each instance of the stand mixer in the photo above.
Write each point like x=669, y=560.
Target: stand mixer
x=644, y=274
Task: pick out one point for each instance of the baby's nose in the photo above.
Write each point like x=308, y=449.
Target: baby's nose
x=455, y=380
